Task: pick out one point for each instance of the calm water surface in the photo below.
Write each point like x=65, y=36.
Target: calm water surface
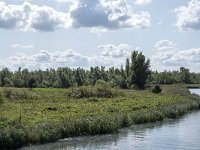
x=178, y=134
x=195, y=91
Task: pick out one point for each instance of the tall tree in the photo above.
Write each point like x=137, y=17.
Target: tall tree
x=185, y=75
x=127, y=68
x=139, y=69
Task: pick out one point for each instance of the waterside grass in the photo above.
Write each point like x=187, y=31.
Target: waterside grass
x=30, y=116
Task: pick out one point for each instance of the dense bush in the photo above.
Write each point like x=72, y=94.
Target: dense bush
x=99, y=91
x=81, y=92
x=156, y=89
x=32, y=83
x=7, y=92
x=19, y=94
x=104, y=90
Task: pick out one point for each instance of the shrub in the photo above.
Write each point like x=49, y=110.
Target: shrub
x=81, y=92
x=99, y=91
x=7, y=92
x=32, y=83
x=1, y=97
x=15, y=94
x=103, y=90
x=156, y=89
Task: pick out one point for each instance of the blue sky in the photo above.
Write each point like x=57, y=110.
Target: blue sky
x=39, y=34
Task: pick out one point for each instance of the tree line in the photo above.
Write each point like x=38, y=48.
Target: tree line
x=183, y=75
x=135, y=74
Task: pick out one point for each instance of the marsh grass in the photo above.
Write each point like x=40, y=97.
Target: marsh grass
x=62, y=113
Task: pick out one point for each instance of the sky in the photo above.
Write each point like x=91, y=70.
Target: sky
x=41, y=34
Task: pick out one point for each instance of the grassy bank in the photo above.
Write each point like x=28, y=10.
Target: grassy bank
x=29, y=116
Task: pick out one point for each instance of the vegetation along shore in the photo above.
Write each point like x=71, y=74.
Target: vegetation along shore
x=45, y=106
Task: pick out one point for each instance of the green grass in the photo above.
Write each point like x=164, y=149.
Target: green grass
x=29, y=116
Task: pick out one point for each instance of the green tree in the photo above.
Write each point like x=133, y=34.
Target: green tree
x=139, y=69
x=79, y=77
x=127, y=68
x=32, y=83
x=185, y=75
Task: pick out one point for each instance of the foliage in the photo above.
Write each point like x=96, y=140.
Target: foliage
x=180, y=76
x=156, y=89
x=185, y=75
x=139, y=69
x=16, y=94
x=99, y=91
x=135, y=73
x=1, y=97
x=55, y=114
x=81, y=92
x=32, y=83
x=7, y=92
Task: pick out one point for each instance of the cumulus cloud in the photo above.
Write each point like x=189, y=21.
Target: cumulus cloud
x=168, y=56
x=189, y=16
x=142, y=2
x=164, y=45
x=22, y=46
x=45, y=59
x=111, y=55
x=99, y=15
x=110, y=50
x=31, y=17
x=107, y=14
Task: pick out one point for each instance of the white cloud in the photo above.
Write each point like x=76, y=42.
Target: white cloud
x=22, y=46
x=168, y=56
x=43, y=56
x=110, y=50
x=164, y=45
x=189, y=16
x=112, y=55
x=107, y=14
x=98, y=31
x=31, y=17
x=142, y=2
x=98, y=15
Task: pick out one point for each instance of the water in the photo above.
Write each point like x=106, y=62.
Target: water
x=173, y=134
x=195, y=91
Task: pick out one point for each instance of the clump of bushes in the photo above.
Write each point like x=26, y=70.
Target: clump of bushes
x=19, y=94
x=104, y=90
x=100, y=90
x=156, y=89
x=7, y=92
x=81, y=92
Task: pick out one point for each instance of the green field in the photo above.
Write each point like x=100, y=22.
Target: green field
x=29, y=116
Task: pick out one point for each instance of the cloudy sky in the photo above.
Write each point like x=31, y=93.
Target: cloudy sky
x=82, y=33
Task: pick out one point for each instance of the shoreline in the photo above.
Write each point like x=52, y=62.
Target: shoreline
x=21, y=134
x=138, y=124
x=122, y=131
